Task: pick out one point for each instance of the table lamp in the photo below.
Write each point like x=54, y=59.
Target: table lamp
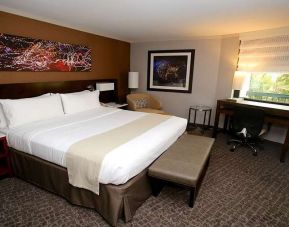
x=133, y=80
x=238, y=82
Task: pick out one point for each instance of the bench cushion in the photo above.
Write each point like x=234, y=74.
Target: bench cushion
x=184, y=161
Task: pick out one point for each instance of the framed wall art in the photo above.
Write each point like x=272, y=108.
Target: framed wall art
x=19, y=53
x=170, y=70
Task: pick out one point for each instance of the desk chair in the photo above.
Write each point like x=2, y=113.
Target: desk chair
x=247, y=127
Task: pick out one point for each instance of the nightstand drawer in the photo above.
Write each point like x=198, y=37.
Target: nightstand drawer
x=3, y=155
x=5, y=164
x=3, y=170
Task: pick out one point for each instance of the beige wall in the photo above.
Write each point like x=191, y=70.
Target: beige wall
x=228, y=60
x=215, y=64
x=227, y=66
x=205, y=76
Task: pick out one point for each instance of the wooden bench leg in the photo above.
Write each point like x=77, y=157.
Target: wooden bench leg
x=192, y=197
x=157, y=186
x=193, y=192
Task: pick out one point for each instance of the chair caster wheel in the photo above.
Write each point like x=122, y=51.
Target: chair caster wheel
x=232, y=149
x=255, y=154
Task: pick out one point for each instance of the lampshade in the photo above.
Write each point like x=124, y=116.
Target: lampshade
x=133, y=79
x=239, y=79
x=105, y=86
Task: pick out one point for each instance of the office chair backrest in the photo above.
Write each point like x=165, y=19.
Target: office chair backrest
x=250, y=118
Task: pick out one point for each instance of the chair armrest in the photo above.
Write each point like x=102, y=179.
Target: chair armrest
x=131, y=104
x=155, y=104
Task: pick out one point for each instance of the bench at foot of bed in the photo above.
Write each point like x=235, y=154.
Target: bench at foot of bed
x=184, y=163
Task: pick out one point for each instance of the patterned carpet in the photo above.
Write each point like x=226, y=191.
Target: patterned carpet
x=238, y=190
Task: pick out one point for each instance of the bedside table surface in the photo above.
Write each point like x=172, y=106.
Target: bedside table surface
x=114, y=104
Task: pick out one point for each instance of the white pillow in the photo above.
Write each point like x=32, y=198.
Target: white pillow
x=3, y=123
x=21, y=111
x=44, y=95
x=77, y=93
x=74, y=103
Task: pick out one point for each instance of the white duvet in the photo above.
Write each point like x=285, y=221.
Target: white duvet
x=50, y=140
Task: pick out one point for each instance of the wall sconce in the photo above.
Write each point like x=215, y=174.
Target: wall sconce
x=105, y=86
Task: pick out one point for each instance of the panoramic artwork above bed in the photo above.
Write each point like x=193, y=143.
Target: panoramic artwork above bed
x=36, y=55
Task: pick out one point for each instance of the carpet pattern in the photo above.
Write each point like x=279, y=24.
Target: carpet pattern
x=238, y=190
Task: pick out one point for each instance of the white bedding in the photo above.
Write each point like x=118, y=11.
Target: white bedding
x=50, y=140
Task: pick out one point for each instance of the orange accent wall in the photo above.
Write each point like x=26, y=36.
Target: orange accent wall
x=110, y=57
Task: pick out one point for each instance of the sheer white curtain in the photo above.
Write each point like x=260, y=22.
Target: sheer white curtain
x=269, y=54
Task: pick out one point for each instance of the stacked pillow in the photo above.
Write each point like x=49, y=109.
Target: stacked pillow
x=15, y=112
x=3, y=122
x=21, y=111
x=80, y=101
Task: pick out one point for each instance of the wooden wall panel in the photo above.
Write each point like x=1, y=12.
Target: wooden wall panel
x=110, y=57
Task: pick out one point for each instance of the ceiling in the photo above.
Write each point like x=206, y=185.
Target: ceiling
x=152, y=20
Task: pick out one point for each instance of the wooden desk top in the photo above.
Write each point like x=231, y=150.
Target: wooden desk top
x=269, y=108
x=274, y=114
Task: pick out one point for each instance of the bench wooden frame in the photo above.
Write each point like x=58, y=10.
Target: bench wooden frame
x=159, y=175
x=158, y=184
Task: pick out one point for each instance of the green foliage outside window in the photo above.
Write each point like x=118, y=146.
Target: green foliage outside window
x=272, y=87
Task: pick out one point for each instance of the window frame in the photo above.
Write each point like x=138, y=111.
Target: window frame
x=250, y=74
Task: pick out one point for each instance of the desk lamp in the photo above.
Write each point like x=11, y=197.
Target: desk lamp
x=238, y=82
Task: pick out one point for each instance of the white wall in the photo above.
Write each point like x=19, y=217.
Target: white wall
x=205, y=76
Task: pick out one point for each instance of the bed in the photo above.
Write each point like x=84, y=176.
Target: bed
x=38, y=151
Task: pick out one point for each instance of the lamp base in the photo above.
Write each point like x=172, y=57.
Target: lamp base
x=132, y=90
x=236, y=94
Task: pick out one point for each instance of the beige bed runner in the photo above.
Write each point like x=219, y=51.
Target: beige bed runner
x=85, y=157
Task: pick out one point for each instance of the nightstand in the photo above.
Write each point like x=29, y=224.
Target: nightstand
x=5, y=163
x=116, y=105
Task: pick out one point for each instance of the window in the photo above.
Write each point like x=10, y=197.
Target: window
x=270, y=87
x=265, y=57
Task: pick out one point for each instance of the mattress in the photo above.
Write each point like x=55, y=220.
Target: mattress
x=50, y=140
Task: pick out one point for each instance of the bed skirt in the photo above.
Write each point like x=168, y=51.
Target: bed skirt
x=113, y=202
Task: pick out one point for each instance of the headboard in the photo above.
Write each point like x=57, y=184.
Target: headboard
x=26, y=90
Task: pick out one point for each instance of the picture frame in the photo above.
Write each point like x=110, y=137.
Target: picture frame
x=24, y=54
x=170, y=70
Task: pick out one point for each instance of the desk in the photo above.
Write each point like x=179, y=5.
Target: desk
x=274, y=114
